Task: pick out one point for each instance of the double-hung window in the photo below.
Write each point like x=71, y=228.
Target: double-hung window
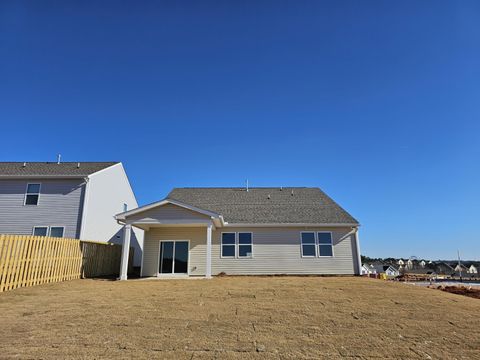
x=228, y=245
x=316, y=244
x=325, y=244
x=308, y=244
x=237, y=245
x=32, y=194
x=244, y=245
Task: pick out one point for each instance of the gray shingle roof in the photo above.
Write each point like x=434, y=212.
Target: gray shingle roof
x=305, y=206
x=52, y=168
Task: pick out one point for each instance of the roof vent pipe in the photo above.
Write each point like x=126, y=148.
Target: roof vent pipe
x=24, y=164
x=292, y=192
x=78, y=165
x=281, y=188
x=268, y=197
x=246, y=181
x=59, y=157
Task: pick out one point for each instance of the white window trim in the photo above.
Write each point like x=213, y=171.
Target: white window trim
x=40, y=226
x=56, y=226
x=27, y=193
x=316, y=244
x=331, y=244
x=236, y=245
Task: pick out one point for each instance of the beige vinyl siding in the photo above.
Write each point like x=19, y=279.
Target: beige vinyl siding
x=275, y=251
x=197, y=258
x=278, y=251
x=168, y=212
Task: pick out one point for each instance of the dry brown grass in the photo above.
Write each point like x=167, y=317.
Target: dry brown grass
x=238, y=317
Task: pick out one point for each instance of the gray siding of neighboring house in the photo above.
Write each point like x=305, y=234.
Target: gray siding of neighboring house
x=60, y=204
x=276, y=250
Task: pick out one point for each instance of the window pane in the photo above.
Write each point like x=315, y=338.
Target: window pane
x=325, y=250
x=324, y=238
x=33, y=188
x=40, y=231
x=244, y=250
x=31, y=200
x=56, y=231
x=308, y=250
x=308, y=238
x=228, y=250
x=228, y=238
x=244, y=238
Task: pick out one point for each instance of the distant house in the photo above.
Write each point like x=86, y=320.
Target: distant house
x=442, y=268
x=368, y=270
x=461, y=268
x=388, y=270
x=68, y=199
x=422, y=263
x=472, y=269
x=410, y=264
x=239, y=231
x=400, y=262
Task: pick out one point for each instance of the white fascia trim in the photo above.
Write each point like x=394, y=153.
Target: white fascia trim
x=292, y=225
x=124, y=215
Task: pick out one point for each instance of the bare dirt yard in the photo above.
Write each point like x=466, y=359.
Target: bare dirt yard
x=238, y=317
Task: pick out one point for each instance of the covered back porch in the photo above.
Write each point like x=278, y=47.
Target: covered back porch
x=177, y=241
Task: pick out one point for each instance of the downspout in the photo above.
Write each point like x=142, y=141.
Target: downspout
x=84, y=209
x=359, y=257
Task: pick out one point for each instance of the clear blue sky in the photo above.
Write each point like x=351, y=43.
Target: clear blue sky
x=376, y=102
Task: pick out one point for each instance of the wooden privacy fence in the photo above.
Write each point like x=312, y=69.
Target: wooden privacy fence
x=27, y=260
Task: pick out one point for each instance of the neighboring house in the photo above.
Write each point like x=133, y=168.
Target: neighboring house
x=68, y=199
x=388, y=270
x=400, y=263
x=368, y=270
x=256, y=231
x=422, y=263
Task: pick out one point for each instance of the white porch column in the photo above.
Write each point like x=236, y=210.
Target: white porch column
x=208, y=271
x=127, y=229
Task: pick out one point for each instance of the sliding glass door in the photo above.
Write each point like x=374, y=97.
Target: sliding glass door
x=173, y=257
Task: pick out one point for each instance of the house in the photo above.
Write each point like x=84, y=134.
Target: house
x=472, y=269
x=460, y=268
x=368, y=270
x=442, y=268
x=422, y=263
x=68, y=199
x=388, y=270
x=400, y=263
x=252, y=231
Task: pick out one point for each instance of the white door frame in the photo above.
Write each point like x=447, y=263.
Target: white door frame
x=159, y=274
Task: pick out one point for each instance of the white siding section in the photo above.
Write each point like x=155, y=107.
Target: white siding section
x=275, y=251
x=107, y=191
